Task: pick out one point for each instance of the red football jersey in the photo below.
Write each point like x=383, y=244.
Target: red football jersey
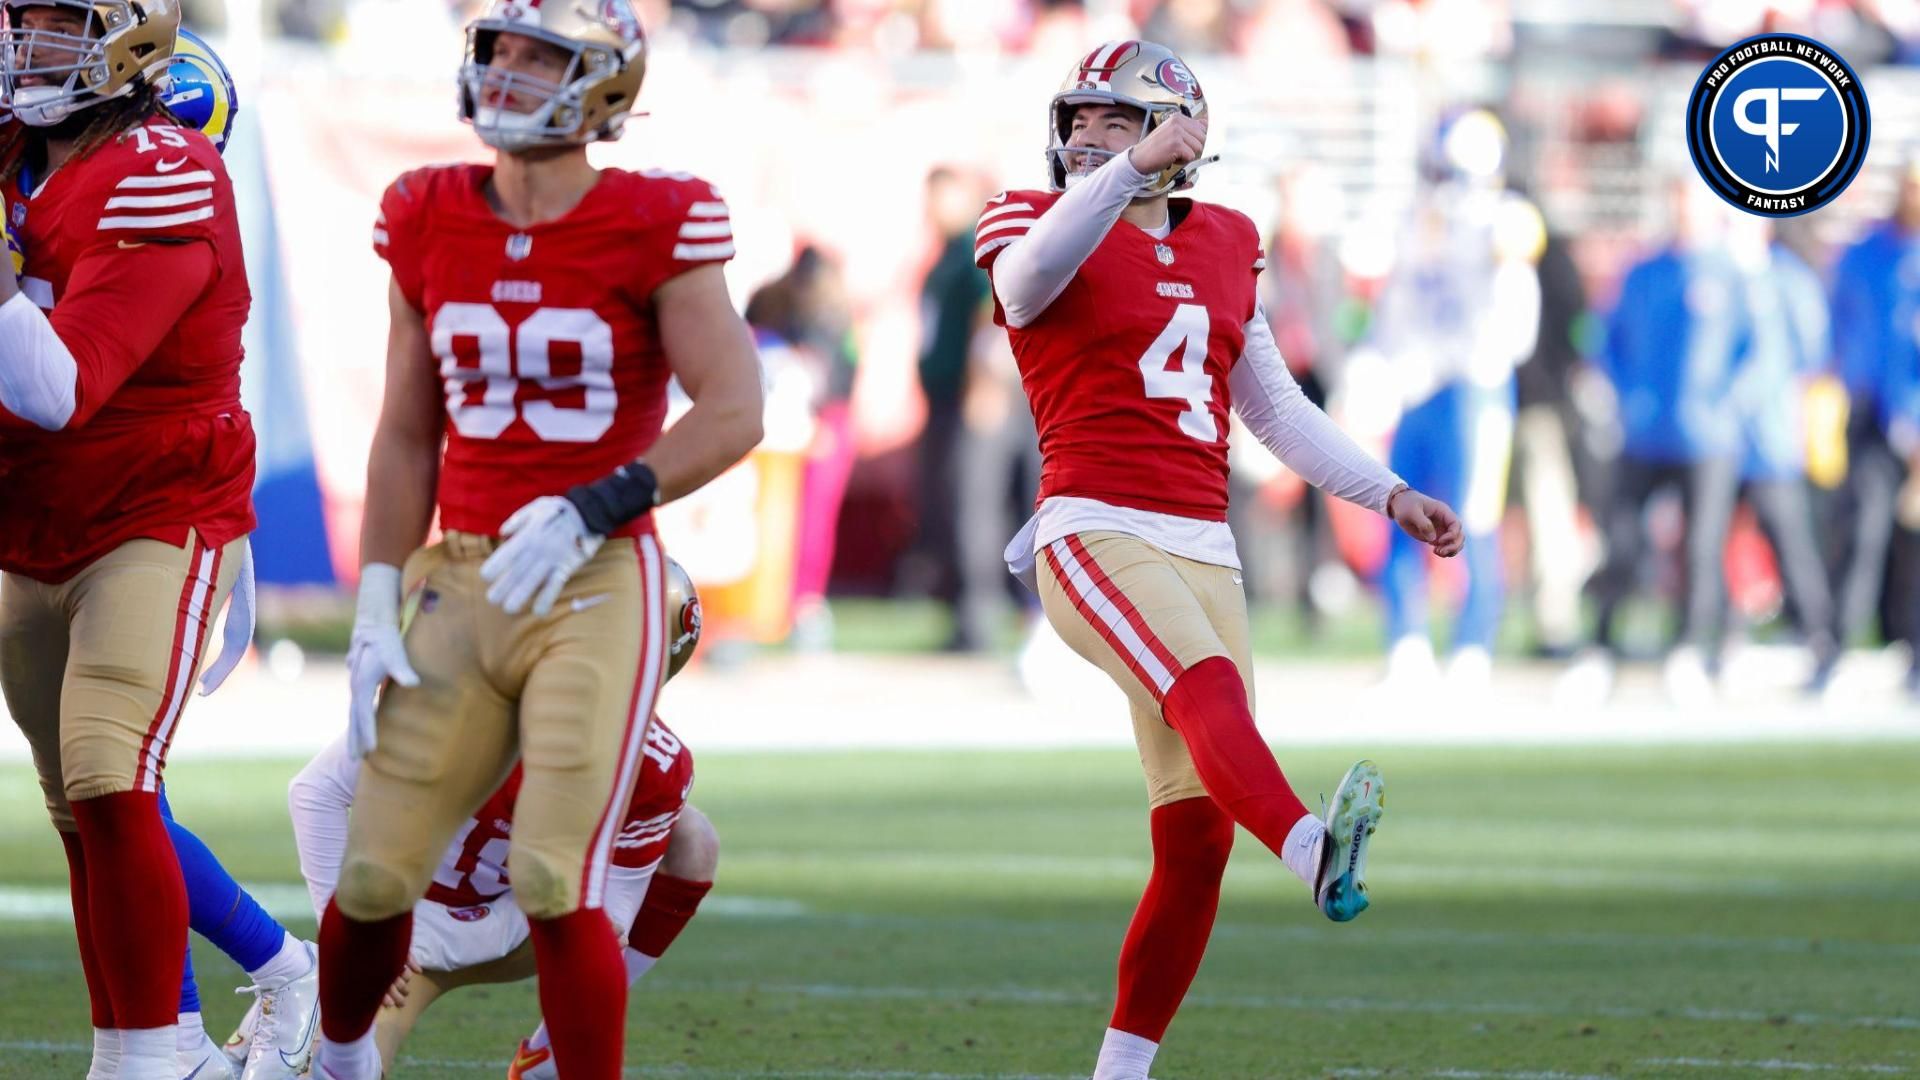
x=545, y=337
x=474, y=869
x=1127, y=369
x=158, y=443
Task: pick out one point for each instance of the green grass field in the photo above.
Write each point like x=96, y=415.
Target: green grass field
x=1692, y=912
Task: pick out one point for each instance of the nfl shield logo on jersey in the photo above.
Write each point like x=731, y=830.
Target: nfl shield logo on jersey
x=1164, y=254
x=519, y=246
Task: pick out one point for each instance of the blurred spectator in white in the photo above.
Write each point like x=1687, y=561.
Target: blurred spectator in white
x=1559, y=556
x=1458, y=312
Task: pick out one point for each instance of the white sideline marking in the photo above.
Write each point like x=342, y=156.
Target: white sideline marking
x=1775, y=1065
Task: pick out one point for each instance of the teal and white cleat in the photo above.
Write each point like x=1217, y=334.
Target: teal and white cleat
x=1340, y=888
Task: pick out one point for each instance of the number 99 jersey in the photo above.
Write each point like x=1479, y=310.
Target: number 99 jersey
x=546, y=340
x=1127, y=368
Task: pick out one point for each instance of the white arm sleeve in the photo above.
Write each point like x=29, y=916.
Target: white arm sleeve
x=1034, y=269
x=38, y=378
x=1304, y=438
x=319, y=798
x=626, y=891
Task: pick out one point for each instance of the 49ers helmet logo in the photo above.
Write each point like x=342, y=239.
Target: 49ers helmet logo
x=1174, y=75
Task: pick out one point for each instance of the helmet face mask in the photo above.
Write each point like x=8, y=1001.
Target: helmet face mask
x=593, y=96
x=49, y=72
x=1139, y=75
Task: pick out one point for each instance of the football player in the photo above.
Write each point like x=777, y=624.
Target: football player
x=1457, y=315
x=468, y=930
x=538, y=307
x=126, y=466
x=1134, y=318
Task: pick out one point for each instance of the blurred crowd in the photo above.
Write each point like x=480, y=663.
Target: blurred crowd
x=1867, y=31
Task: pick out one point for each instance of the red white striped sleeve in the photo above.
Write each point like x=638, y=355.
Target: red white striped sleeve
x=1007, y=218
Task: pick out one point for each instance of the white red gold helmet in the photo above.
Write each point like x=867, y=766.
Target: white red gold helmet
x=125, y=43
x=1139, y=74
x=683, y=618
x=590, y=102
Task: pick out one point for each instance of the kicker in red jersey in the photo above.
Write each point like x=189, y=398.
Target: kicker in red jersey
x=548, y=349
x=1126, y=369
x=474, y=869
x=158, y=442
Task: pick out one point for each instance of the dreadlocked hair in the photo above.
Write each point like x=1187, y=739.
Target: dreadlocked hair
x=91, y=129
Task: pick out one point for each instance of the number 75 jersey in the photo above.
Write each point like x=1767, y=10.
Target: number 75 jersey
x=546, y=339
x=1126, y=370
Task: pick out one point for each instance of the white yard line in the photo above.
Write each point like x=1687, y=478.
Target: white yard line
x=1775, y=1065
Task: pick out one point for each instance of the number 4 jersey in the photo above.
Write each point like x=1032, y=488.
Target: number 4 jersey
x=1127, y=368
x=546, y=339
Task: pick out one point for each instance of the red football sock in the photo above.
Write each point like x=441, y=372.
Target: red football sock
x=89, y=959
x=1168, y=936
x=583, y=992
x=136, y=906
x=358, y=963
x=1207, y=705
x=670, y=903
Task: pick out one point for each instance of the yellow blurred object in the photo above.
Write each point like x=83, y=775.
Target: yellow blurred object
x=14, y=251
x=1519, y=232
x=1825, y=420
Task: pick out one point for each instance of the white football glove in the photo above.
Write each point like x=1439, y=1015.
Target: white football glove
x=545, y=543
x=376, y=653
x=239, y=630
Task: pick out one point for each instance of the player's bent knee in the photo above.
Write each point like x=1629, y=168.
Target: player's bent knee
x=543, y=890
x=693, y=848
x=369, y=891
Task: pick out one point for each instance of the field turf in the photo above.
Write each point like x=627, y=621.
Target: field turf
x=1712, y=912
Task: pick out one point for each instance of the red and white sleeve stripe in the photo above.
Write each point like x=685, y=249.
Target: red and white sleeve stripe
x=707, y=233
x=160, y=201
x=999, y=226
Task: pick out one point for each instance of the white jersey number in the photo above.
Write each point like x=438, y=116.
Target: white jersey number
x=1185, y=333
x=486, y=877
x=512, y=355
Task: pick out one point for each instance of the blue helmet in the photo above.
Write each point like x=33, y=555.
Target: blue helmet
x=198, y=89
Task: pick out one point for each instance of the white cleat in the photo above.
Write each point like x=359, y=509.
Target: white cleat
x=1340, y=885
x=1689, y=684
x=1587, y=683
x=289, y=1022
x=241, y=1041
x=206, y=1062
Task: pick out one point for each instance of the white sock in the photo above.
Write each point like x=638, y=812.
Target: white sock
x=1124, y=1057
x=190, y=1033
x=638, y=964
x=1301, y=852
x=290, y=963
x=106, y=1055
x=356, y=1060
x=148, y=1054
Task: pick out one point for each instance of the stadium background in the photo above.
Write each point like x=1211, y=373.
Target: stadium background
x=935, y=887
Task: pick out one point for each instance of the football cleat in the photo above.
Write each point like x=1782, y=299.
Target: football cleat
x=206, y=1062
x=241, y=1041
x=289, y=1021
x=1340, y=887
x=529, y=1064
